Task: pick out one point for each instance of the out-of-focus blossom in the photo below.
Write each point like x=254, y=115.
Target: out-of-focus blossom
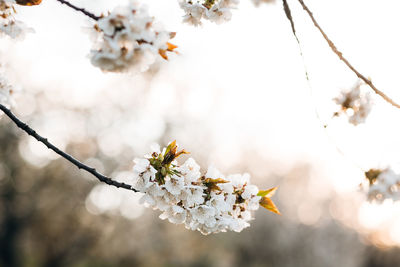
x=383, y=184
x=217, y=11
x=355, y=104
x=6, y=91
x=128, y=39
x=8, y=24
x=208, y=203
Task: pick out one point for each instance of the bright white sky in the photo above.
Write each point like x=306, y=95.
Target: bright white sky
x=245, y=81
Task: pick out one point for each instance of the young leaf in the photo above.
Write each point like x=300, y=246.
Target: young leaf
x=267, y=203
x=267, y=193
x=170, y=48
x=170, y=147
x=170, y=152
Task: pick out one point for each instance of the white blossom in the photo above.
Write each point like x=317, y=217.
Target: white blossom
x=191, y=170
x=355, y=104
x=155, y=190
x=144, y=174
x=174, y=214
x=238, y=225
x=219, y=203
x=202, y=213
x=254, y=203
x=175, y=185
x=250, y=191
x=214, y=173
x=128, y=39
x=383, y=184
x=217, y=11
x=208, y=203
x=227, y=188
x=8, y=24
x=148, y=200
x=141, y=165
x=162, y=203
x=239, y=180
x=193, y=195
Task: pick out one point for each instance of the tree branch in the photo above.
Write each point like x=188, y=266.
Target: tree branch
x=87, y=13
x=340, y=55
x=68, y=157
x=290, y=18
x=288, y=13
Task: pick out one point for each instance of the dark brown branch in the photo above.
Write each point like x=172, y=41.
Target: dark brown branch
x=87, y=13
x=288, y=13
x=68, y=157
x=290, y=18
x=340, y=55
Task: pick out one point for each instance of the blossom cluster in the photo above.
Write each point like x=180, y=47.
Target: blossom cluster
x=217, y=11
x=209, y=203
x=8, y=24
x=383, y=184
x=6, y=91
x=128, y=39
x=354, y=104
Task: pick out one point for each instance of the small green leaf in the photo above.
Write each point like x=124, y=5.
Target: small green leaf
x=267, y=193
x=170, y=147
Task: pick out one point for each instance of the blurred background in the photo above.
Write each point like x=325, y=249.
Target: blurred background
x=236, y=97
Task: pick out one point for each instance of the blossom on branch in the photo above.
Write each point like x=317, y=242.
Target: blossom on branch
x=128, y=39
x=217, y=11
x=209, y=203
x=8, y=24
x=383, y=184
x=354, y=104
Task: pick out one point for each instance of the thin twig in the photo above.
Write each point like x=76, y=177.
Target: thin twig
x=77, y=163
x=340, y=55
x=87, y=13
x=288, y=13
